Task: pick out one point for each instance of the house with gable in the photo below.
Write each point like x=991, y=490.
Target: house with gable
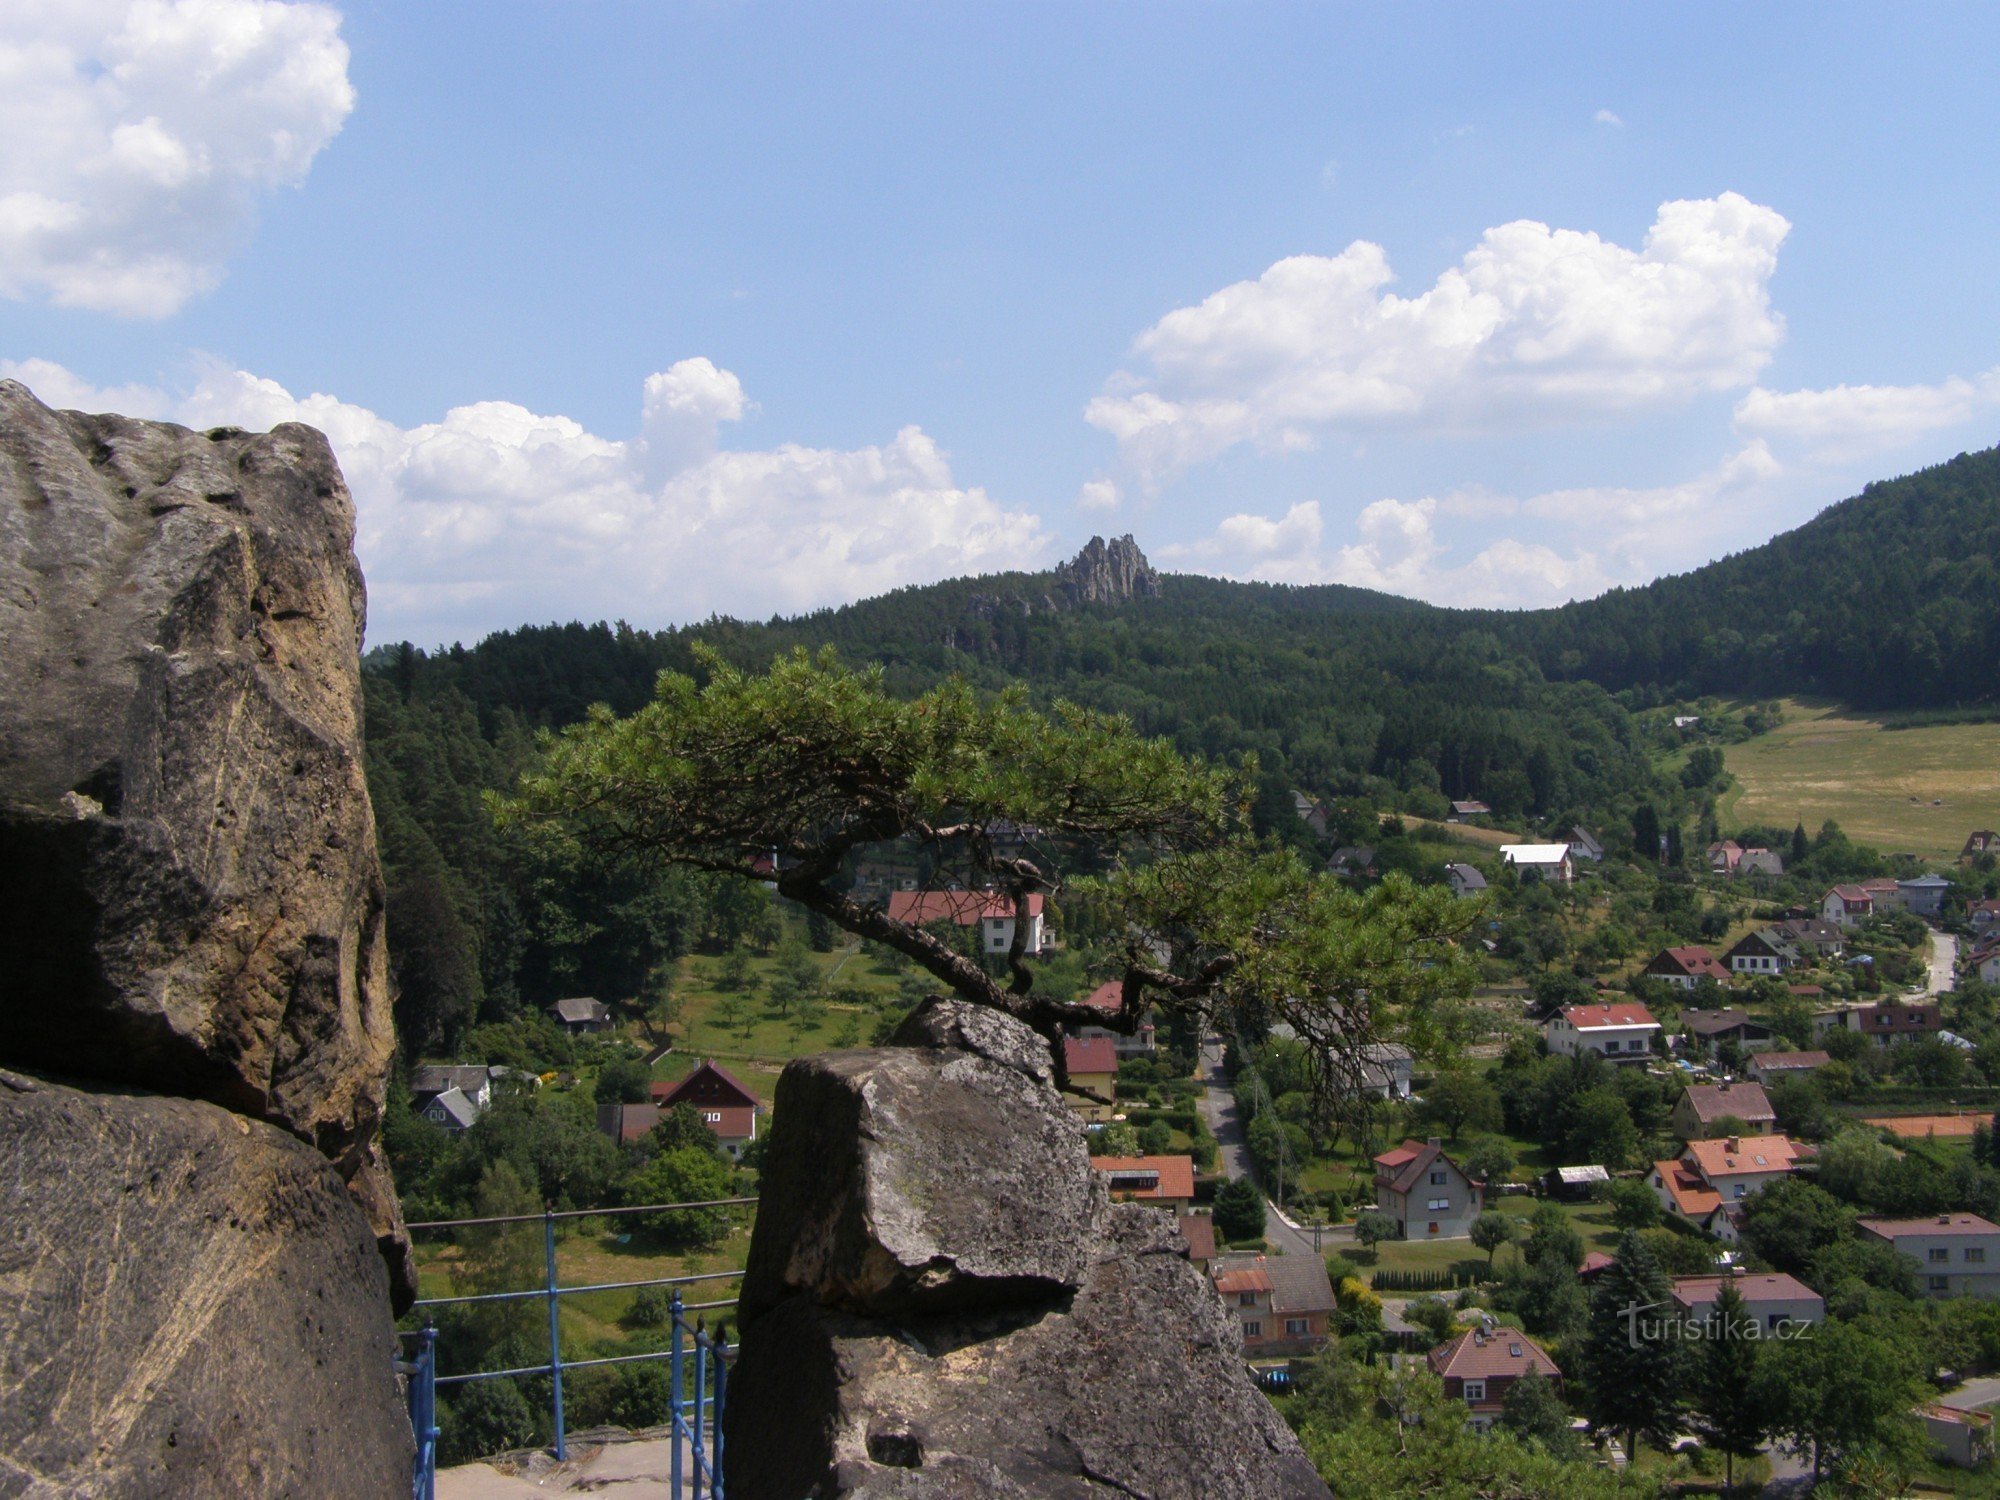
x=1884, y=1023
x=1850, y=905
x=1764, y=953
x=1711, y=1177
x=1984, y=916
x=452, y=1108
x=1352, y=859
x=1109, y=998
x=1618, y=1030
x=1428, y=1194
x=1702, y=1106
x=726, y=1105
x=1162, y=1181
x=1550, y=862
x=1464, y=879
x=1684, y=968
x=581, y=1015
x=1480, y=1365
x=1815, y=937
x=1705, y=1028
x=1092, y=1065
x=992, y=912
x=1282, y=1303
x=1984, y=841
x=1583, y=844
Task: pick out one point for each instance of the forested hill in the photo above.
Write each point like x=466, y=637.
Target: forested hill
x=1888, y=600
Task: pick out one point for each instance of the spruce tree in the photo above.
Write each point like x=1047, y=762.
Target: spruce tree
x=1724, y=1369
x=1635, y=1380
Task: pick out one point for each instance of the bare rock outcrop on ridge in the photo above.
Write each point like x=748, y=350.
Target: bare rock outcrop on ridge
x=942, y=1302
x=190, y=897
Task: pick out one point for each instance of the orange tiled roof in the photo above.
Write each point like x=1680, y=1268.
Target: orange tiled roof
x=1175, y=1174
x=1693, y=1198
x=1737, y=1155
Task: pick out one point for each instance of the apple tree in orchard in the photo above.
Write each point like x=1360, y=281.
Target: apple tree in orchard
x=791, y=774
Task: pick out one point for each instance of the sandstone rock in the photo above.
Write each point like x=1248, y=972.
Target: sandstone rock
x=194, y=1307
x=1107, y=573
x=190, y=898
x=941, y=1303
x=906, y=1179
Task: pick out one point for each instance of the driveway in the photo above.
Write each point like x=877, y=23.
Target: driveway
x=1944, y=963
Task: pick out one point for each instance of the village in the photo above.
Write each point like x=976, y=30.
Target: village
x=1463, y=1210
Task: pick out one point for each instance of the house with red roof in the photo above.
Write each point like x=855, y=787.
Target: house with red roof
x=1983, y=841
x=1851, y=905
x=1163, y=1181
x=992, y=912
x=1617, y=1030
x=1109, y=998
x=1712, y=1177
x=1771, y=1301
x=1428, y=1194
x=1092, y=1066
x=1282, y=1303
x=1686, y=967
x=724, y=1102
x=1479, y=1366
x=1704, y=1106
x=1886, y=1022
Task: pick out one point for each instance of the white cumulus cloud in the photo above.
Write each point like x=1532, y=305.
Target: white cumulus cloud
x=1853, y=421
x=137, y=138
x=495, y=515
x=1533, y=325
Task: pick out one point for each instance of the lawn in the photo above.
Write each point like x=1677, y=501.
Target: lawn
x=1879, y=784
x=1464, y=833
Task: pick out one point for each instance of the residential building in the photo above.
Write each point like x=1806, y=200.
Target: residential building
x=1428, y=1195
x=452, y=1108
x=1584, y=845
x=1387, y=1070
x=1621, y=1030
x=1162, y=1181
x=1764, y=953
x=1199, y=1232
x=1352, y=859
x=1771, y=1301
x=1851, y=905
x=1770, y=1067
x=1760, y=864
x=1886, y=1022
x=1685, y=967
x=991, y=911
x=1983, y=915
x=1702, y=1106
x=1549, y=862
x=627, y=1124
x=473, y=1081
x=1958, y=1436
x=581, y=1015
x=1814, y=937
x=1710, y=1176
x=1574, y=1184
x=1480, y=1365
x=1955, y=1255
x=1466, y=811
x=1464, y=880
x=1092, y=1065
x=1989, y=968
x=1706, y=1027
x=1924, y=895
x=726, y=1105
x=1311, y=811
x=1109, y=997
x=1985, y=841
x=1283, y=1303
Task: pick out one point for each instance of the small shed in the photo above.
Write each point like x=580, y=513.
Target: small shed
x=1574, y=1184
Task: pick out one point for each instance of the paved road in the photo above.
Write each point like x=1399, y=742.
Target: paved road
x=1974, y=1394
x=1218, y=1107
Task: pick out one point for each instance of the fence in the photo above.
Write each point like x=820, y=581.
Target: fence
x=695, y=1407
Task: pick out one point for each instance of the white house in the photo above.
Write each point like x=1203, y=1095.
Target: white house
x=1584, y=845
x=1426, y=1193
x=1464, y=880
x=1387, y=1070
x=1851, y=905
x=1539, y=861
x=1620, y=1030
x=993, y=912
x=1956, y=1255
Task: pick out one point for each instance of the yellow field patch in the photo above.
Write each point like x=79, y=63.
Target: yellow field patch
x=1916, y=791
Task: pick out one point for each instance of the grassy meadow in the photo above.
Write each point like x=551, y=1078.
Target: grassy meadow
x=1880, y=784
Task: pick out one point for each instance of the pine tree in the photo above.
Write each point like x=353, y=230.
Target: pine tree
x=1635, y=1380
x=1800, y=846
x=1724, y=1368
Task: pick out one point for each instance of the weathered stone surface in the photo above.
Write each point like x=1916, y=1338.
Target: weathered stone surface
x=190, y=898
x=942, y=1304
x=1135, y=1385
x=193, y=1306
x=1107, y=573
x=920, y=1179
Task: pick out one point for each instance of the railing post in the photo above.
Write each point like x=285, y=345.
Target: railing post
x=423, y=1413
x=677, y=1423
x=555, y=1327
x=701, y=1471
x=721, y=1395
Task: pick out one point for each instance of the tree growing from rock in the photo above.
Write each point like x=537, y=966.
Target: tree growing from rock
x=786, y=775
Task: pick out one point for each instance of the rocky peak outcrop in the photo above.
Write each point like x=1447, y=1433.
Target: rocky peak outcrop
x=941, y=1301
x=199, y=1287
x=1107, y=573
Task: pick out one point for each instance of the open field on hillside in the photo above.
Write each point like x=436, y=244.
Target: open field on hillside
x=1878, y=784
x=1464, y=833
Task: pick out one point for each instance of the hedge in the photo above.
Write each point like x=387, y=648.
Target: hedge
x=1462, y=1273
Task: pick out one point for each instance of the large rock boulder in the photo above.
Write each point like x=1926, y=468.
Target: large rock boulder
x=941, y=1303
x=194, y=1307
x=190, y=898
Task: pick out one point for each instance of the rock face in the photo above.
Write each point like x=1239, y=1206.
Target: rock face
x=194, y=1307
x=941, y=1301
x=190, y=898
x=1107, y=573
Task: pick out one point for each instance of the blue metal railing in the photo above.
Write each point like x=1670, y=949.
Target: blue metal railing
x=695, y=1422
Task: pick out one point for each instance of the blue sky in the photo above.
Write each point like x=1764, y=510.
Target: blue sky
x=652, y=311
